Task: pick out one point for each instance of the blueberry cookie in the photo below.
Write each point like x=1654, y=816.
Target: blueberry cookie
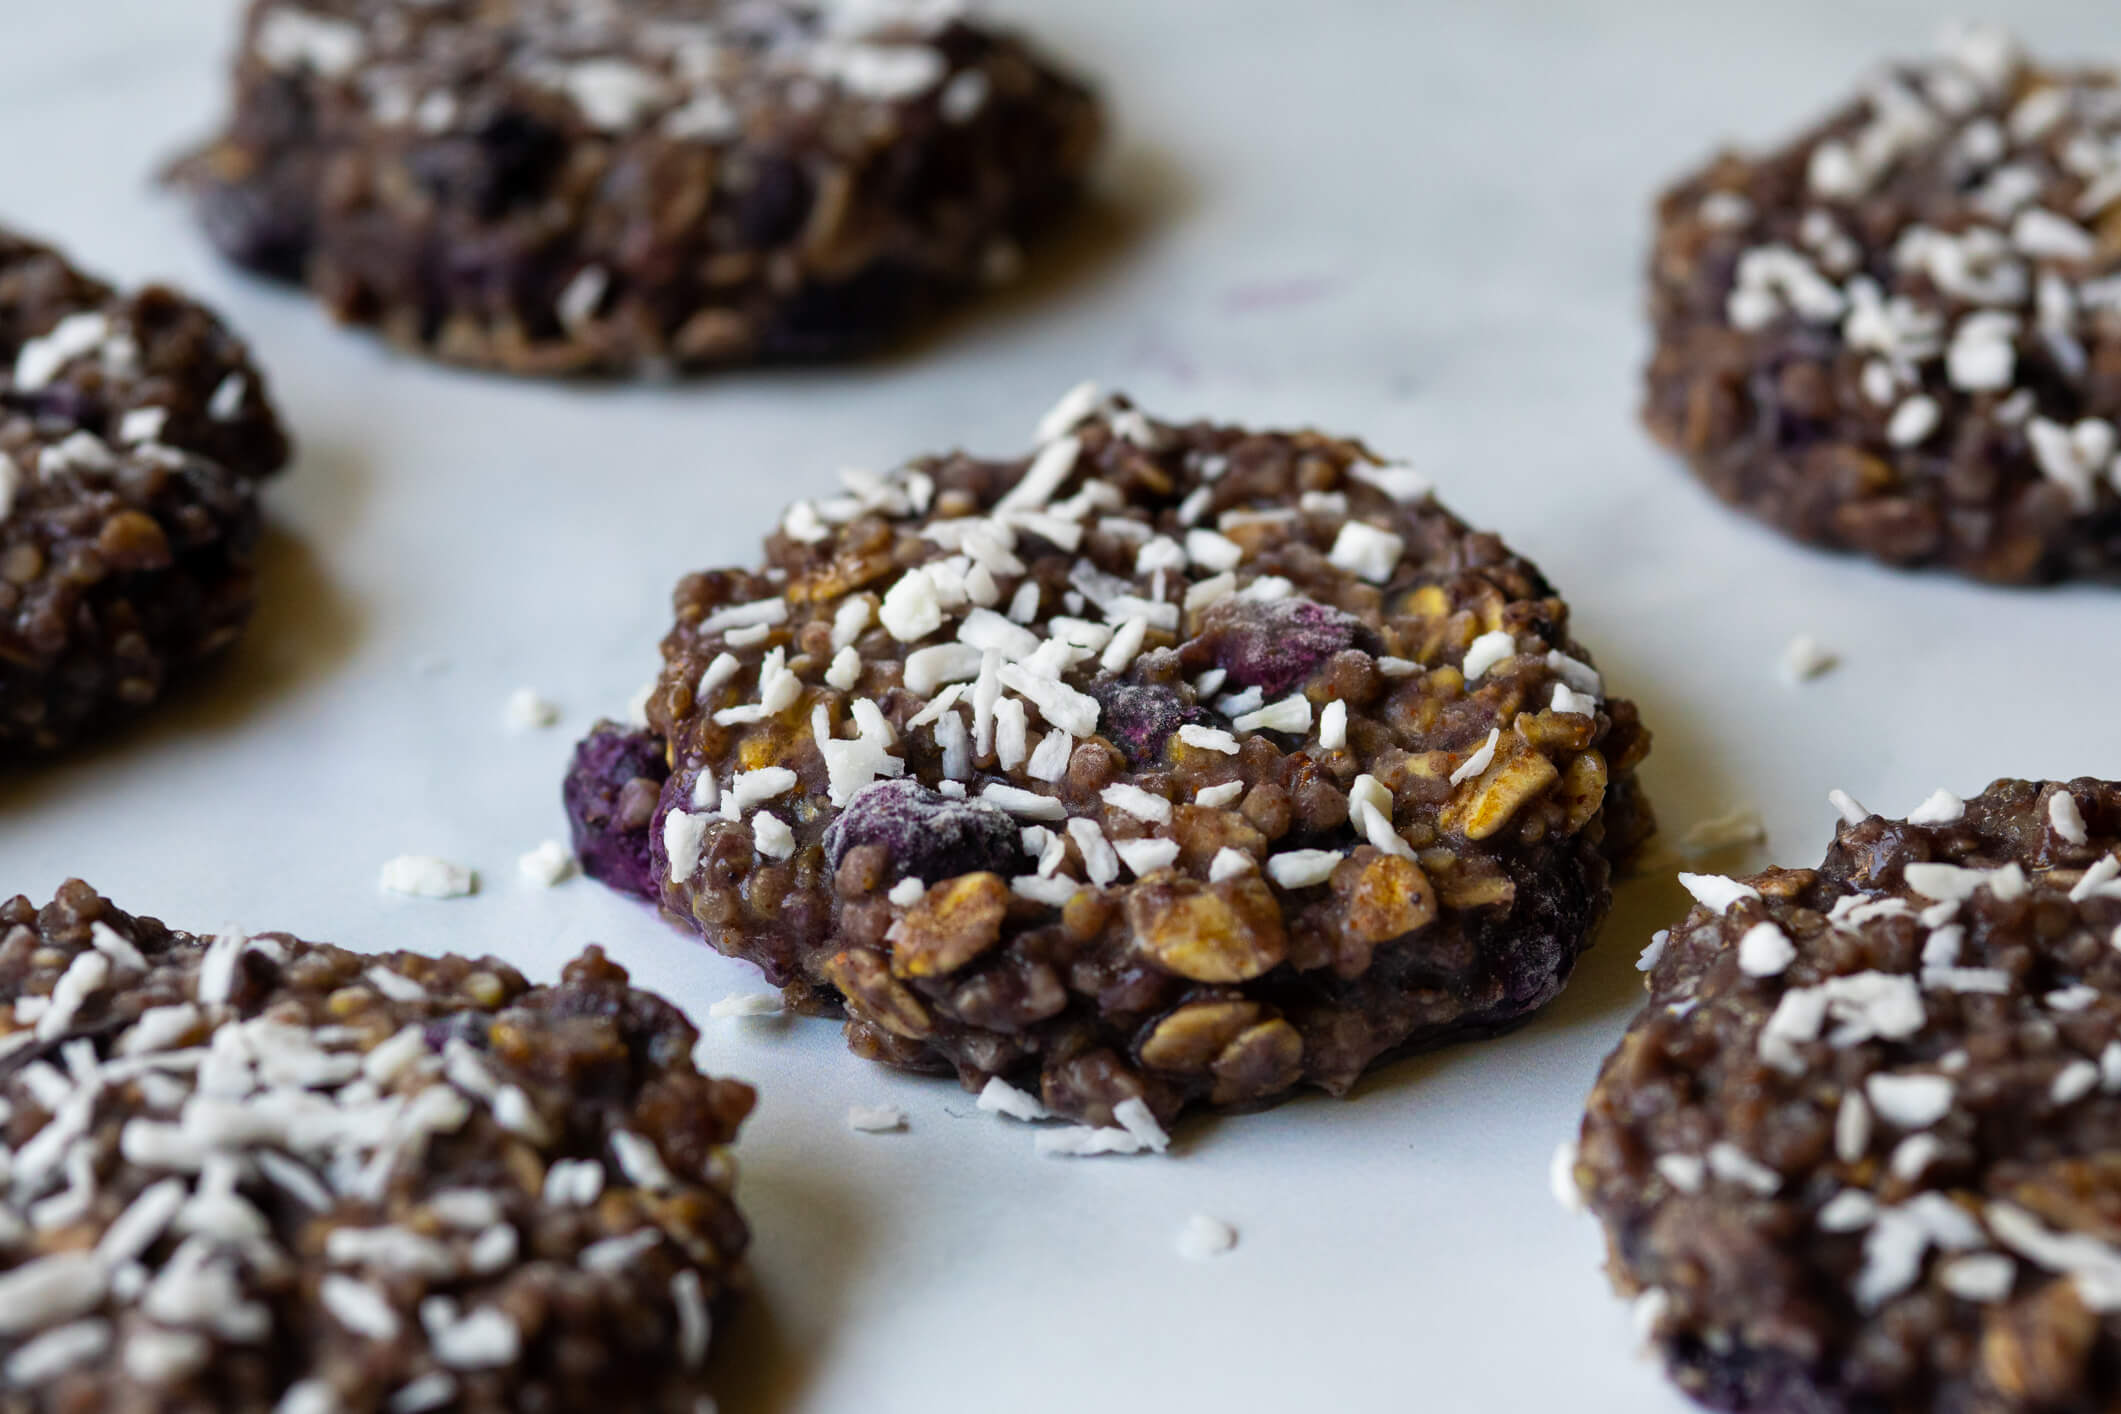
x=255, y=1174
x=1900, y=335
x=553, y=186
x=133, y=434
x=1169, y=763
x=1862, y=1150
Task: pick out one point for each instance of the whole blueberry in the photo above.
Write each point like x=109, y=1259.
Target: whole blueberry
x=927, y=835
x=610, y=794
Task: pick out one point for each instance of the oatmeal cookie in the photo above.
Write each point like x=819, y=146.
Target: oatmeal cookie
x=1171, y=763
x=1862, y=1149
x=133, y=433
x=1900, y=335
x=575, y=186
x=255, y=1174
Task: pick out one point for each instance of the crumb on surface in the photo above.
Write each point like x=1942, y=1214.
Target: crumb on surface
x=527, y=711
x=875, y=1119
x=1202, y=1238
x=550, y=864
x=428, y=876
x=1805, y=658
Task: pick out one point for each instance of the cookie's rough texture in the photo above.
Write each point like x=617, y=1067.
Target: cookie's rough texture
x=1862, y=1150
x=574, y=186
x=1900, y=335
x=984, y=751
x=133, y=431
x=259, y=1174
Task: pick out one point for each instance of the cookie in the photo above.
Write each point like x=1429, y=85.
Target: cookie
x=556, y=187
x=133, y=433
x=1181, y=764
x=1862, y=1149
x=1900, y=335
x=258, y=1174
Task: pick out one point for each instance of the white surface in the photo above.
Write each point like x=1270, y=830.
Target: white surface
x=1419, y=223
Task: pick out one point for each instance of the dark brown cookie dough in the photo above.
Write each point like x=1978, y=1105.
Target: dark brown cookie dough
x=551, y=187
x=259, y=1174
x=1145, y=767
x=133, y=431
x=1862, y=1150
x=1900, y=335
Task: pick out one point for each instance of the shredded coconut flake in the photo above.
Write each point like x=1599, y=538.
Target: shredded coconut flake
x=1002, y=1098
x=1488, y=650
x=1085, y=1141
x=1956, y=883
x=1400, y=482
x=1333, y=725
x=40, y=360
x=1213, y=738
x=1302, y=868
x=1805, y=658
x=1685, y=1172
x=2097, y=879
x=1765, y=951
x=1135, y=1116
x=1026, y=804
x=2073, y=1082
x=1292, y=714
x=1480, y=760
x=1733, y=1165
x=1850, y=1210
x=1910, y=1101
x=1848, y=807
x=1716, y=892
x=875, y=1119
x=1980, y=1277
x=1145, y=857
x=1135, y=801
x=684, y=834
x=1203, y=1238
x=746, y=1004
x=1561, y=1177
x=547, y=865
x=1852, y=1127
x=1366, y=551
x=425, y=876
x=2066, y=818
x=1653, y=951
x=1942, y=808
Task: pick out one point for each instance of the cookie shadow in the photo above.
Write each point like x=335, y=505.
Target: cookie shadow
x=302, y=631
x=808, y=1241
x=1686, y=778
